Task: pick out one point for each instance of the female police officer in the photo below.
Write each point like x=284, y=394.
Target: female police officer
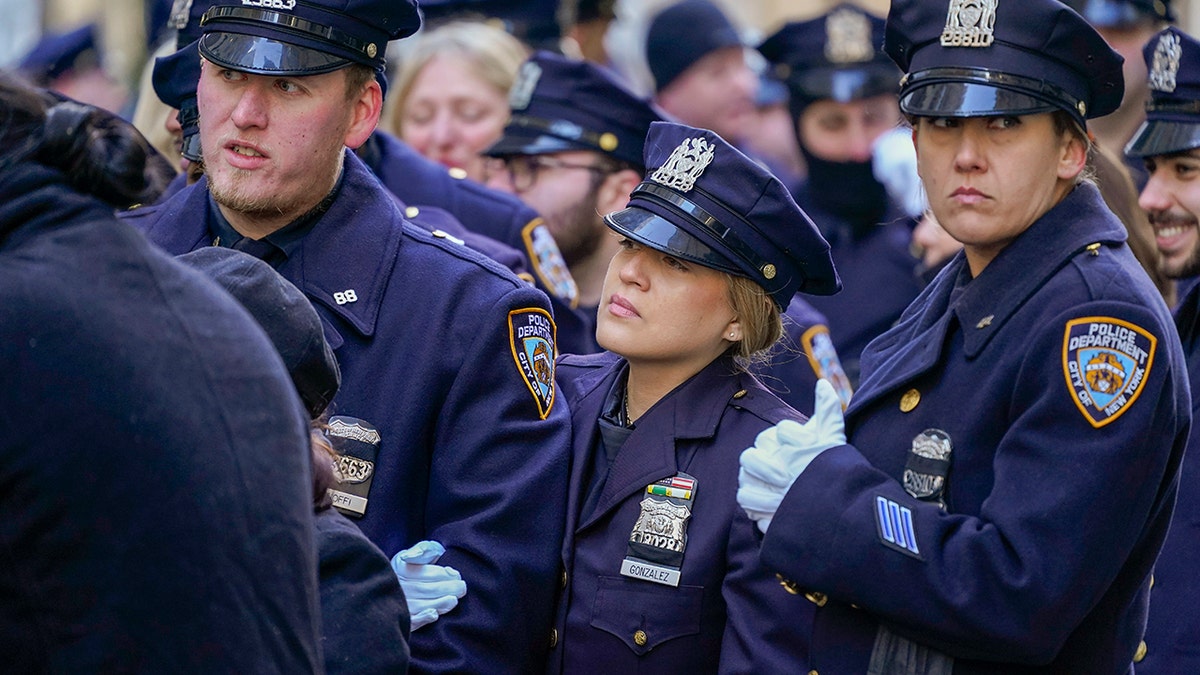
x=661, y=567
x=1016, y=438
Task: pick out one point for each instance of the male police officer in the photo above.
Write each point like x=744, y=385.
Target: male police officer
x=572, y=150
x=1169, y=142
x=446, y=419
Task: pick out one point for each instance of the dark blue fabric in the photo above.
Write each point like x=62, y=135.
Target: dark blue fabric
x=1041, y=561
x=728, y=614
x=427, y=359
x=153, y=521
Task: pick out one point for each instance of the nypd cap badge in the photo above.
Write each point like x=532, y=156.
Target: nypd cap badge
x=1106, y=362
x=531, y=335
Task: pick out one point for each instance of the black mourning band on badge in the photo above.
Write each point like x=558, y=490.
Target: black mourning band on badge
x=706, y=221
x=292, y=23
x=975, y=92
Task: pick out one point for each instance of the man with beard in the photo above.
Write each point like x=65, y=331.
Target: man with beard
x=445, y=423
x=572, y=150
x=843, y=100
x=1169, y=143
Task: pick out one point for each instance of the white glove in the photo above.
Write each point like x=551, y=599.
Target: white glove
x=894, y=163
x=783, y=452
x=431, y=590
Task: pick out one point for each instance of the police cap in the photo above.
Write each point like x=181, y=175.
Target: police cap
x=706, y=202
x=304, y=37
x=837, y=56
x=174, y=79
x=283, y=312
x=1122, y=13
x=534, y=22
x=684, y=33
x=559, y=104
x=1173, y=111
x=58, y=53
x=969, y=58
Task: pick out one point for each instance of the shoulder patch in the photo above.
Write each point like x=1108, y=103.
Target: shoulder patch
x=823, y=358
x=548, y=263
x=531, y=335
x=1106, y=362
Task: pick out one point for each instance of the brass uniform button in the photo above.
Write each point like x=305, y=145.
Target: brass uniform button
x=608, y=142
x=1140, y=653
x=788, y=585
x=1152, y=581
x=740, y=394
x=639, y=638
x=909, y=401
x=813, y=672
x=564, y=579
x=553, y=638
x=411, y=212
x=818, y=599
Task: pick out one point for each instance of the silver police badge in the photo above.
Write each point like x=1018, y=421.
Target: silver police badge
x=928, y=465
x=1165, y=64
x=357, y=445
x=521, y=92
x=659, y=537
x=970, y=23
x=685, y=165
x=848, y=37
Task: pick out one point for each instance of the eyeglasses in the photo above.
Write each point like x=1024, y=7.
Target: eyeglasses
x=523, y=170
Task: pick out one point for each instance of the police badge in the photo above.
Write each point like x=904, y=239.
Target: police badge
x=1106, y=362
x=970, y=23
x=686, y=164
x=659, y=537
x=357, y=445
x=928, y=465
x=1165, y=64
x=848, y=37
x=521, y=92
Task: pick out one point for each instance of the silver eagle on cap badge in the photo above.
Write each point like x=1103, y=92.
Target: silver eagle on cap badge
x=1165, y=65
x=970, y=23
x=521, y=92
x=179, y=14
x=848, y=37
x=685, y=165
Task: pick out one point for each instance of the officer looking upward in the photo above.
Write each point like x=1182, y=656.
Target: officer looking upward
x=1007, y=469
x=446, y=419
x=1169, y=144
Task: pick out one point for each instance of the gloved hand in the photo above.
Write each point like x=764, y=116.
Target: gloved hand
x=431, y=590
x=783, y=452
x=894, y=163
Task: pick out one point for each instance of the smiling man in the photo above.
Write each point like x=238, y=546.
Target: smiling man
x=446, y=419
x=1169, y=143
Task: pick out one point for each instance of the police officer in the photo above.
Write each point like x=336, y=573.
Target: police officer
x=1013, y=449
x=843, y=102
x=662, y=571
x=154, y=453
x=572, y=150
x=1169, y=143
x=446, y=420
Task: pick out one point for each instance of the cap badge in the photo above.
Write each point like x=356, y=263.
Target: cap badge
x=270, y=4
x=970, y=23
x=179, y=14
x=1165, y=65
x=848, y=37
x=522, y=90
x=686, y=163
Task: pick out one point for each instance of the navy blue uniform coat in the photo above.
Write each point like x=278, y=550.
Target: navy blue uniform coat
x=1041, y=561
x=729, y=613
x=154, y=522
x=465, y=457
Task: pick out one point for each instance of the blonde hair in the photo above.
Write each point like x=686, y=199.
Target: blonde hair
x=495, y=56
x=761, y=320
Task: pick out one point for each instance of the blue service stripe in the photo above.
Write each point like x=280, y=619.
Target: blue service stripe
x=894, y=516
x=885, y=525
x=906, y=514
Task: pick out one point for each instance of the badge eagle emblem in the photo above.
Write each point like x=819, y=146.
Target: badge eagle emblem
x=1165, y=65
x=1106, y=362
x=848, y=37
x=179, y=14
x=970, y=23
x=685, y=165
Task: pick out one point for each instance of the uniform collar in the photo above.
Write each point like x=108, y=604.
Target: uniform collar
x=1080, y=220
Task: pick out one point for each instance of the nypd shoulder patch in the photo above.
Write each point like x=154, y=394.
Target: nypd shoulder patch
x=548, y=263
x=531, y=335
x=1106, y=362
x=894, y=522
x=823, y=358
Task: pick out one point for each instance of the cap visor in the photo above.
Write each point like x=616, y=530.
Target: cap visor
x=658, y=233
x=264, y=56
x=848, y=84
x=969, y=99
x=1156, y=137
x=524, y=141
